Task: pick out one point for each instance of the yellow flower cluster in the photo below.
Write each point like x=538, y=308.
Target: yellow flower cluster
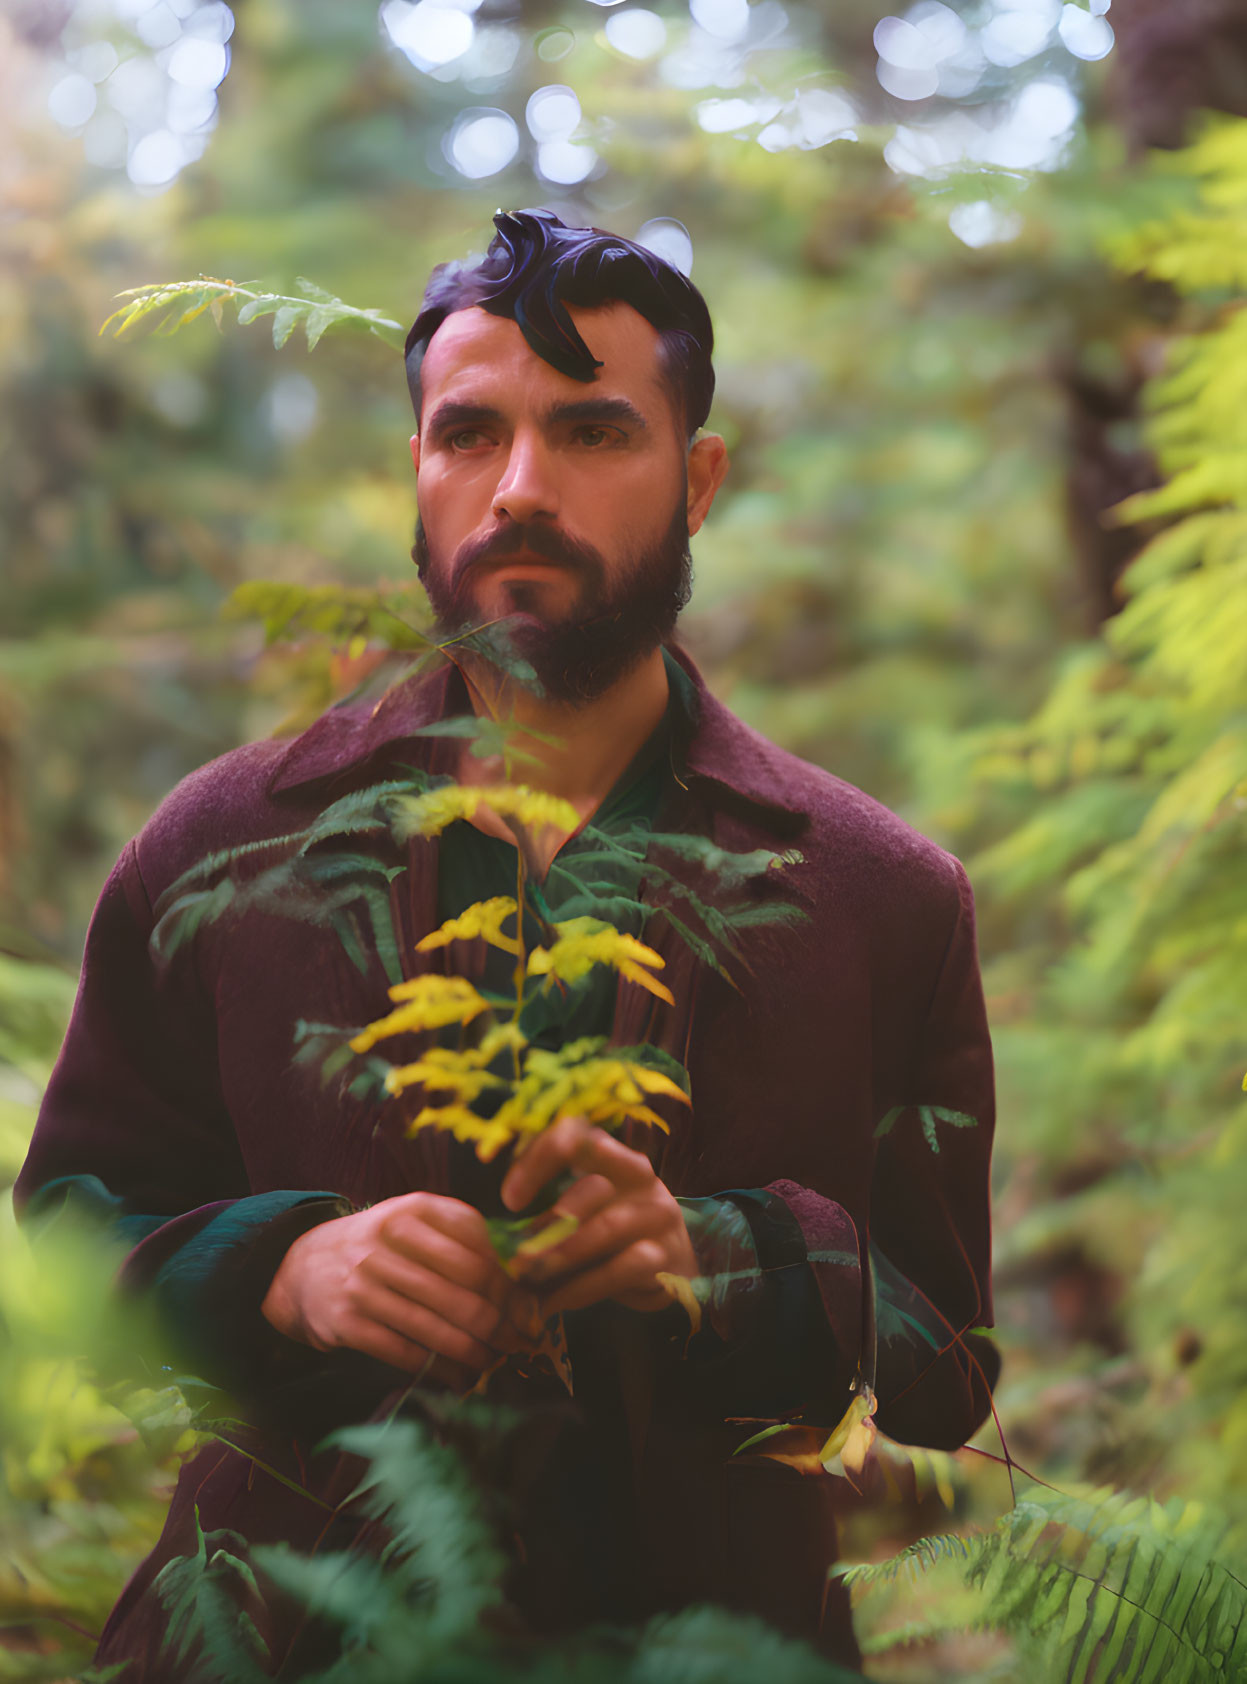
x=482, y=921
x=425, y=1002
x=430, y=814
x=585, y=942
x=578, y=1080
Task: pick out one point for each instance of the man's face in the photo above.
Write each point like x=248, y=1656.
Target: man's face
x=561, y=508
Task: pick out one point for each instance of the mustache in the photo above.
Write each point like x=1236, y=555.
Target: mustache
x=547, y=542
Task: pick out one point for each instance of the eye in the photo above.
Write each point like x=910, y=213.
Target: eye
x=467, y=438
x=594, y=435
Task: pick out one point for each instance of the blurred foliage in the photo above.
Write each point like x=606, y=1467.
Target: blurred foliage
x=87, y=1453
x=924, y=573
x=1119, y=906
x=1096, y=1586
x=432, y=1608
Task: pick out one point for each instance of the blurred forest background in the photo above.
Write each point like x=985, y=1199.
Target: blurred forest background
x=977, y=272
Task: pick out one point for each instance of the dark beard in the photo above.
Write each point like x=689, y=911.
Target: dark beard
x=610, y=631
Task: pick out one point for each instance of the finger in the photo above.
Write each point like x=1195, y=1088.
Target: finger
x=599, y=1153
x=579, y=1202
x=585, y=1197
x=579, y=1146
x=419, y=1325
x=384, y=1272
x=629, y=1272
x=407, y=1235
x=458, y=1221
x=614, y=1228
x=548, y=1156
x=387, y=1346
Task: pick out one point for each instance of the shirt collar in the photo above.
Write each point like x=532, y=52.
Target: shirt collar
x=709, y=742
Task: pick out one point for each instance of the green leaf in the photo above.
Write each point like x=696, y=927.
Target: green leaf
x=317, y=321
x=171, y=305
x=284, y=323
x=928, y=1116
x=655, y=1058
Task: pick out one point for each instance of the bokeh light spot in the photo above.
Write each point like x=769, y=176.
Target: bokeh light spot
x=726, y=116
x=554, y=44
x=669, y=239
x=904, y=83
x=213, y=22
x=552, y=112
x=1048, y=107
x=945, y=33
x=180, y=397
x=196, y=63
x=636, y=33
x=823, y=115
x=481, y=142
x=189, y=109
x=1018, y=31
x=1084, y=35
x=159, y=26
x=137, y=88
x=156, y=159
x=899, y=43
x=72, y=101
x=490, y=58
x=96, y=60
x=429, y=35
x=726, y=20
x=981, y=223
x=290, y=408
x=564, y=162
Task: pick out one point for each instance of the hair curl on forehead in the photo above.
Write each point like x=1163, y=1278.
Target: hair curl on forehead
x=537, y=266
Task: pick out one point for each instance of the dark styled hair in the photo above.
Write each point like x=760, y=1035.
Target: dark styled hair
x=536, y=266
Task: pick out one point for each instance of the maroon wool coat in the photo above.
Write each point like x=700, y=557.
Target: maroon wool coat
x=176, y=1089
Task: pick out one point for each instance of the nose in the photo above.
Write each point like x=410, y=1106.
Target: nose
x=528, y=488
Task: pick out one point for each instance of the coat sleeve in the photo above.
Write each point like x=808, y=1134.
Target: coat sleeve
x=930, y=1215
x=135, y=1138
x=790, y=1318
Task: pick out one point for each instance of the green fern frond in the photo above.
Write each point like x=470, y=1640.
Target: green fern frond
x=442, y=1544
x=170, y=305
x=1102, y=1587
x=910, y=1562
x=1116, y=1588
x=206, y=1596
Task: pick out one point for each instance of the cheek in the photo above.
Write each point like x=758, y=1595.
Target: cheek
x=446, y=500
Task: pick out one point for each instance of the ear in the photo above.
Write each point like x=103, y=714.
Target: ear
x=707, y=469
x=415, y=451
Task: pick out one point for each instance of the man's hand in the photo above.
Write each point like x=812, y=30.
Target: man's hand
x=413, y=1280
x=630, y=1227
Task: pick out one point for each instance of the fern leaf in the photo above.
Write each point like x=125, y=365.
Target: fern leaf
x=171, y=305
x=205, y=1596
x=1116, y=1587
x=914, y=1559
x=443, y=1544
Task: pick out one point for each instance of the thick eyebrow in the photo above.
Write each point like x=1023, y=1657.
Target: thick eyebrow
x=596, y=409
x=453, y=414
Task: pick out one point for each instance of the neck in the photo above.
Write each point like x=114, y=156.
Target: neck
x=593, y=744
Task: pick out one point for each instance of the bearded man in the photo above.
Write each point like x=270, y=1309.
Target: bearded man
x=827, y=1194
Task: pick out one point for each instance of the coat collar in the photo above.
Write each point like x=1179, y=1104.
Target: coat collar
x=717, y=747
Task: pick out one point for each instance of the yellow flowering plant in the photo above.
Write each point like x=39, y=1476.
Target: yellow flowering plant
x=493, y=1088
x=474, y=1071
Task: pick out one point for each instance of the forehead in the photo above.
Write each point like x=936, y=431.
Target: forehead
x=478, y=356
